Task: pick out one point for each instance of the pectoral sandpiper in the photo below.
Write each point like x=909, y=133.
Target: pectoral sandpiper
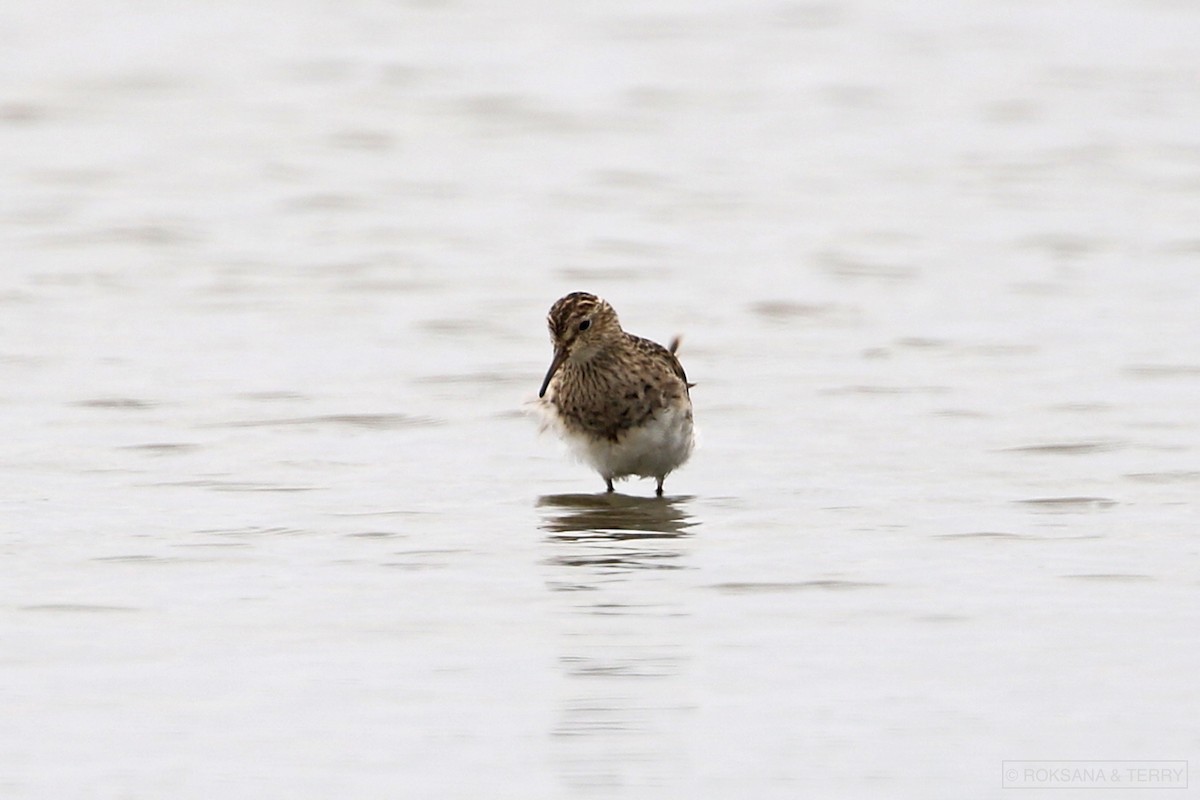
x=620, y=401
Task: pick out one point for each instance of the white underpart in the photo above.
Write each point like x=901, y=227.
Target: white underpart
x=651, y=450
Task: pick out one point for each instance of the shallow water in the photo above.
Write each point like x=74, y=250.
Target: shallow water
x=274, y=279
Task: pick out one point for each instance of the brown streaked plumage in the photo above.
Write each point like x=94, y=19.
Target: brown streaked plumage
x=619, y=400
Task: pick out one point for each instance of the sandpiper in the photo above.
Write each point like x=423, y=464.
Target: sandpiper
x=620, y=401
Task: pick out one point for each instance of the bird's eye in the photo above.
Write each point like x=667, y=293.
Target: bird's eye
x=583, y=326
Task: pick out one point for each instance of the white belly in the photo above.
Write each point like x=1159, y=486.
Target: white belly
x=650, y=451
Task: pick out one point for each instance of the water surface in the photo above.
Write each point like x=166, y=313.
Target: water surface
x=276, y=523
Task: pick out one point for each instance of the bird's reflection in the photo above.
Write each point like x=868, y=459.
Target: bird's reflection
x=617, y=566
x=616, y=516
x=615, y=532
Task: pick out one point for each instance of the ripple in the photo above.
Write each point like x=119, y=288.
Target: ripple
x=361, y=139
x=272, y=395
x=376, y=421
x=117, y=403
x=1085, y=408
x=323, y=201
x=72, y=176
x=514, y=113
x=1180, y=246
x=1062, y=245
x=1066, y=448
x=163, y=448
x=589, y=274
x=922, y=343
x=786, y=310
x=999, y=350
x=497, y=378
x=629, y=178
x=253, y=530
x=422, y=559
x=1175, y=476
x=793, y=586
x=151, y=559
x=626, y=247
x=236, y=486
x=1113, y=577
x=87, y=608
x=815, y=16
x=648, y=667
x=982, y=535
x=961, y=413
x=1068, y=504
x=620, y=560
x=22, y=113
x=1157, y=371
x=847, y=266
x=884, y=390
x=153, y=234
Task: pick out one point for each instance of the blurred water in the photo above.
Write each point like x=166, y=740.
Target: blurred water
x=274, y=280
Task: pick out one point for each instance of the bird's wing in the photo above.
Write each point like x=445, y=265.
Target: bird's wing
x=658, y=352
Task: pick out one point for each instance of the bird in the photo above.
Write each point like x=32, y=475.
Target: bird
x=622, y=403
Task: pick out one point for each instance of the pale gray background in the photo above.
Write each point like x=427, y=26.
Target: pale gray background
x=274, y=523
